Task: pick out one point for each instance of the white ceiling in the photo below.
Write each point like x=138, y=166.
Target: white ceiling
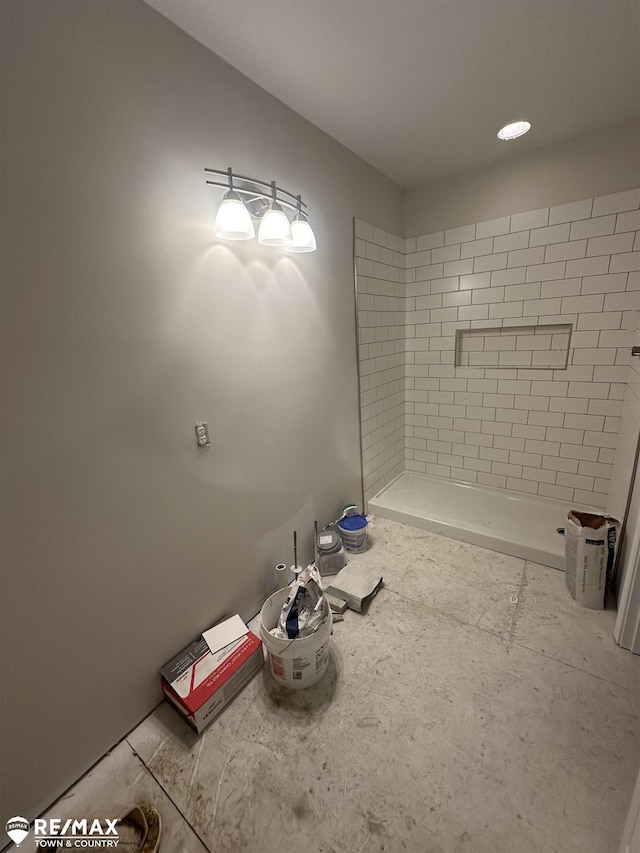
x=418, y=88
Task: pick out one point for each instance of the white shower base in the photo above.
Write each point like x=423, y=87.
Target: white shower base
x=509, y=522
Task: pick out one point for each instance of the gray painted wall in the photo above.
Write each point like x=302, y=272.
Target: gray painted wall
x=604, y=162
x=124, y=322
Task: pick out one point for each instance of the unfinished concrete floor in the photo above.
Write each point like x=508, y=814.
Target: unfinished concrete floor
x=475, y=707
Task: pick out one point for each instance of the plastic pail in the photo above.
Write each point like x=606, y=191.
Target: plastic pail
x=294, y=663
x=353, y=530
x=329, y=552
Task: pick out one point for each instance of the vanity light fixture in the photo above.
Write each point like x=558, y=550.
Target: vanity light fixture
x=249, y=199
x=514, y=130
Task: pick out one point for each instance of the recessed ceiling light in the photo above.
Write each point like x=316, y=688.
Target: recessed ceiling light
x=513, y=130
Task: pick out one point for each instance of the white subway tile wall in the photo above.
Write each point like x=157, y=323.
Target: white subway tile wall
x=527, y=426
x=380, y=287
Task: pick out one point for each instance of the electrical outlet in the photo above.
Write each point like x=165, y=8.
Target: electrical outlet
x=202, y=435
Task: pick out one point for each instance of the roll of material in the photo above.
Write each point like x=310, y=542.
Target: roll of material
x=281, y=575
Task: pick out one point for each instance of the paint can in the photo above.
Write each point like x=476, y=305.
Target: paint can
x=353, y=531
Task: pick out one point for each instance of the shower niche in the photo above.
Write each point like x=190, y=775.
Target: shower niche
x=543, y=347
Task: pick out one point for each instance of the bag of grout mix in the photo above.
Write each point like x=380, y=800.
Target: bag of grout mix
x=305, y=609
x=589, y=547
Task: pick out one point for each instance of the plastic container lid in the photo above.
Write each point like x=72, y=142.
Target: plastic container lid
x=328, y=541
x=353, y=522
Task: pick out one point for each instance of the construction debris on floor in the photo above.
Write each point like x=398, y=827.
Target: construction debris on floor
x=356, y=585
x=453, y=718
x=296, y=623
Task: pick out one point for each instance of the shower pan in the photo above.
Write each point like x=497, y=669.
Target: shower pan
x=514, y=523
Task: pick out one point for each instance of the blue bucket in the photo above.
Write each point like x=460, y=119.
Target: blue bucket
x=353, y=532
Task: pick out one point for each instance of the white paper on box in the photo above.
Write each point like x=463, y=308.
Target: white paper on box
x=224, y=633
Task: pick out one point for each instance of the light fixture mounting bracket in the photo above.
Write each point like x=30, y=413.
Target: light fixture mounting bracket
x=257, y=195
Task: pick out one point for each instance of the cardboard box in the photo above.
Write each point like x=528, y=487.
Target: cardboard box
x=201, y=683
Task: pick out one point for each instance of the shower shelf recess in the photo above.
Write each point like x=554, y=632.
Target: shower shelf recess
x=539, y=346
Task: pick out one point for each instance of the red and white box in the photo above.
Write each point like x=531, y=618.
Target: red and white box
x=202, y=680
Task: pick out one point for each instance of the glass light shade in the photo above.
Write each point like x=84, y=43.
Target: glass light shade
x=275, y=229
x=304, y=240
x=233, y=220
x=514, y=130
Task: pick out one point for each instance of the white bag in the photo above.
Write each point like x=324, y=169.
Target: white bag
x=589, y=547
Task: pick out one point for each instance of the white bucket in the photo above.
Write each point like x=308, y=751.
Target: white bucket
x=294, y=663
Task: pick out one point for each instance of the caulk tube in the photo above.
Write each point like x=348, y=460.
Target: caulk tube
x=281, y=575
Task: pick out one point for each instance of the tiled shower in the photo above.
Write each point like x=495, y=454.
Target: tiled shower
x=497, y=353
